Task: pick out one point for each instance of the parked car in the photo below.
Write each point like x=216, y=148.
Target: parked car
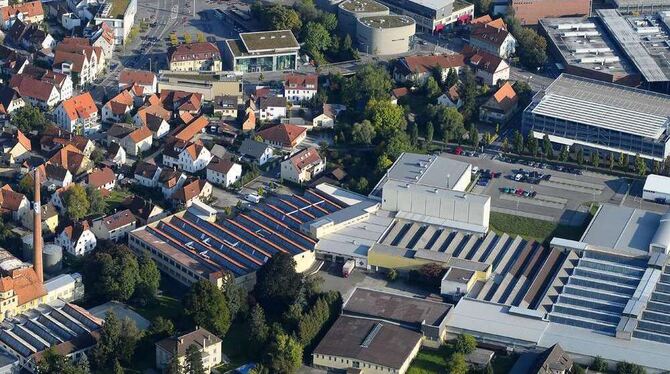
x=458, y=151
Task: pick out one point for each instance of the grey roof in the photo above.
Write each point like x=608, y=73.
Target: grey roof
x=662, y=235
x=252, y=148
x=644, y=3
x=622, y=229
x=605, y=105
x=360, y=6
x=396, y=308
x=355, y=240
x=269, y=41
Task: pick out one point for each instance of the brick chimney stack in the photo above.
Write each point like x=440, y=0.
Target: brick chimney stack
x=37, y=229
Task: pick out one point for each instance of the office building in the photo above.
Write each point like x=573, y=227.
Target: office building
x=601, y=116
x=209, y=85
x=199, y=56
x=641, y=6
x=656, y=188
x=349, y=11
x=262, y=51
x=583, y=48
x=119, y=16
x=433, y=15
x=385, y=35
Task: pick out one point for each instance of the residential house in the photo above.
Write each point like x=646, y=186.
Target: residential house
x=77, y=239
x=10, y=100
x=193, y=190
x=116, y=154
x=451, y=98
x=119, y=19
x=72, y=159
x=142, y=78
x=118, y=107
x=159, y=126
x=101, y=179
x=41, y=94
x=154, y=116
x=28, y=12
x=29, y=37
x=272, y=108
x=134, y=140
x=489, y=69
x=554, y=360
x=144, y=211
x=249, y=123
x=255, y=151
x=54, y=176
x=223, y=172
x=147, y=174
x=180, y=102
x=114, y=227
x=77, y=58
x=398, y=93
x=12, y=62
x=78, y=115
x=15, y=148
x=62, y=82
x=500, y=107
x=54, y=138
x=495, y=40
x=49, y=218
x=188, y=131
x=328, y=116
x=417, y=69
x=186, y=156
x=170, y=180
x=174, y=349
x=299, y=88
x=13, y=203
x=302, y=166
x=102, y=36
x=284, y=136
x=226, y=107
x=195, y=57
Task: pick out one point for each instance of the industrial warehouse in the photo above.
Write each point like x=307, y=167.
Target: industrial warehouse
x=603, y=116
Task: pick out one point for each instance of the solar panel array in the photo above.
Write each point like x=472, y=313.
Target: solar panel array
x=244, y=243
x=27, y=335
x=597, y=291
x=655, y=322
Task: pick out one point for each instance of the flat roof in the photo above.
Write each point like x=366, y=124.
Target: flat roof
x=639, y=3
x=363, y=6
x=583, y=42
x=643, y=40
x=371, y=341
x=432, y=4
x=269, y=41
x=605, y=105
x=622, y=229
x=657, y=183
x=355, y=240
x=397, y=308
x=387, y=22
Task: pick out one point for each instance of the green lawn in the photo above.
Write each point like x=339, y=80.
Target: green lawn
x=235, y=346
x=530, y=228
x=115, y=198
x=434, y=361
x=165, y=306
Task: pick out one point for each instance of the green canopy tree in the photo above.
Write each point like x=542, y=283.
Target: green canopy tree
x=517, y=142
x=284, y=354
x=386, y=117
x=316, y=37
x=363, y=133
x=206, y=306
x=111, y=273
x=272, y=279
x=29, y=118
x=194, y=360
x=76, y=202
x=429, y=132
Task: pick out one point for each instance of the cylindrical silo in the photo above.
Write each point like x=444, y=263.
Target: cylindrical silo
x=385, y=35
x=53, y=258
x=349, y=11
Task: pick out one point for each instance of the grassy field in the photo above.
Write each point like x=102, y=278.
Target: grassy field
x=431, y=361
x=530, y=228
x=115, y=199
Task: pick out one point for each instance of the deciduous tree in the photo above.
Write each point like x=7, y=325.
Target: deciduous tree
x=363, y=133
x=284, y=354
x=76, y=202
x=277, y=284
x=206, y=306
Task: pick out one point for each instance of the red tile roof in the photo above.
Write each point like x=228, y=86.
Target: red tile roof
x=82, y=106
x=119, y=219
x=10, y=200
x=222, y=166
x=422, y=64
x=490, y=35
x=194, y=51
x=101, y=177
x=131, y=76
x=25, y=284
x=23, y=140
x=191, y=129
x=305, y=158
x=301, y=81
x=29, y=87
x=284, y=134
x=190, y=190
x=140, y=134
x=506, y=98
x=120, y=103
x=29, y=9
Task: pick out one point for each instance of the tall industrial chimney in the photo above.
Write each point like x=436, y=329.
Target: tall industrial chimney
x=37, y=229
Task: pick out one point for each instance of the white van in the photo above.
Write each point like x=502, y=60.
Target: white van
x=252, y=197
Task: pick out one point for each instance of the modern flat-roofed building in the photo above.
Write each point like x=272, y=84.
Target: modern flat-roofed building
x=601, y=116
x=644, y=40
x=262, y=51
x=209, y=85
x=120, y=16
x=656, y=188
x=349, y=11
x=529, y=12
x=583, y=48
x=385, y=35
x=641, y=6
x=433, y=15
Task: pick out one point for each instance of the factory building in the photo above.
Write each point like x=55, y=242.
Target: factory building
x=601, y=116
x=583, y=48
x=530, y=12
x=656, y=188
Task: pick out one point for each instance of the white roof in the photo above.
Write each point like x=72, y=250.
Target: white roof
x=657, y=183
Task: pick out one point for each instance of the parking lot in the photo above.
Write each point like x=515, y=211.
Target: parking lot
x=541, y=192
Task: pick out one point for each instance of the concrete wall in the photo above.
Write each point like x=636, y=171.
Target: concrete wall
x=346, y=19
x=343, y=363
x=384, y=41
x=529, y=12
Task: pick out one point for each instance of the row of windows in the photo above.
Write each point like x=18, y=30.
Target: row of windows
x=354, y=363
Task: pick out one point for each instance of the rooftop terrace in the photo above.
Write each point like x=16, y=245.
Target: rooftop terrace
x=268, y=41
x=363, y=6
x=387, y=22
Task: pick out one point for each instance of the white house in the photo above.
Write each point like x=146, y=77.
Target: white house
x=102, y=179
x=114, y=227
x=77, y=239
x=223, y=172
x=255, y=151
x=118, y=107
x=272, y=108
x=133, y=140
x=119, y=20
x=78, y=115
x=147, y=174
x=303, y=166
x=174, y=348
x=77, y=58
x=300, y=87
x=116, y=154
x=328, y=117
x=489, y=69
x=170, y=181
x=41, y=94
x=186, y=156
x=495, y=40
x=14, y=202
x=145, y=79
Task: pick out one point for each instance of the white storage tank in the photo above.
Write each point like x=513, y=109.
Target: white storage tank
x=52, y=258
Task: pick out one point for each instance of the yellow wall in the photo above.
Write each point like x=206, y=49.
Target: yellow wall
x=387, y=261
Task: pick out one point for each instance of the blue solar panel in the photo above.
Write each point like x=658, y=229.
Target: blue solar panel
x=313, y=195
x=253, y=241
x=29, y=338
x=280, y=216
x=54, y=328
x=42, y=332
x=15, y=344
x=287, y=232
x=269, y=235
x=293, y=212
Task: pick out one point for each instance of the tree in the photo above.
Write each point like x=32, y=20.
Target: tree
x=452, y=78
x=370, y=82
x=278, y=17
x=284, y=354
x=236, y=297
x=29, y=118
x=316, y=38
x=328, y=21
x=174, y=366
x=640, y=165
x=610, y=160
x=76, y=202
x=383, y=163
x=431, y=88
x=547, y=147
x=187, y=38
x=465, y=344
x=97, y=204
x=259, y=331
x=272, y=288
x=482, y=7
x=363, y=133
x=194, y=360
x=397, y=144
x=578, y=369
x=580, y=156
x=524, y=92
x=386, y=117
x=206, y=306
x=54, y=363
x=564, y=155
x=469, y=108
x=488, y=138
x=657, y=167
x=413, y=131
x=97, y=155
x=451, y=122
x=531, y=47
x=201, y=37
x=149, y=278
x=111, y=273
x=161, y=328
x=532, y=145
x=474, y=136
x=599, y=364
x=457, y=364
x=595, y=159
x=117, y=343
x=505, y=145
x=392, y=275
x=629, y=368
x=518, y=142
x=429, y=132
x=361, y=185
